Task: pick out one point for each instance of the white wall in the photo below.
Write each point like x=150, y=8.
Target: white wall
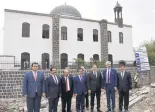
x=121, y=51
x=15, y=44
x=72, y=47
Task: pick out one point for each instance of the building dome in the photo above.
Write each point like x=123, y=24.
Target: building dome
x=66, y=10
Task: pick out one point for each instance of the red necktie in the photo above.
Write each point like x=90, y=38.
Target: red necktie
x=66, y=85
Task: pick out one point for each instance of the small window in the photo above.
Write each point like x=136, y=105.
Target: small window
x=109, y=36
x=80, y=34
x=25, y=29
x=45, y=31
x=121, y=37
x=63, y=33
x=95, y=35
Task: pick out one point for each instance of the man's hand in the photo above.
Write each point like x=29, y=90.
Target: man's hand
x=89, y=91
x=75, y=95
x=103, y=90
x=25, y=96
x=43, y=95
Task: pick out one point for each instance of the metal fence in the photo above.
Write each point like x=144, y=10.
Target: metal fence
x=45, y=65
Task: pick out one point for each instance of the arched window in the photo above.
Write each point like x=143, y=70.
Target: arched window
x=95, y=35
x=121, y=37
x=45, y=61
x=64, y=60
x=45, y=31
x=96, y=57
x=80, y=34
x=63, y=33
x=109, y=36
x=110, y=58
x=25, y=29
x=80, y=56
x=25, y=61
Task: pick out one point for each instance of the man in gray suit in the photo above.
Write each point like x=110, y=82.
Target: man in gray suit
x=124, y=84
x=33, y=88
x=95, y=84
x=53, y=89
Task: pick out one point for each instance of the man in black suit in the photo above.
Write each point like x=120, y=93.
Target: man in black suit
x=95, y=84
x=87, y=95
x=52, y=86
x=67, y=85
x=124, y=84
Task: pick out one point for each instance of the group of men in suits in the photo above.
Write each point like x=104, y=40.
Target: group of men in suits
x=81, y=86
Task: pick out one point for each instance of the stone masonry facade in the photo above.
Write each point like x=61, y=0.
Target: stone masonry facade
x=104, y=40
x=11, y=81
x=55, y=39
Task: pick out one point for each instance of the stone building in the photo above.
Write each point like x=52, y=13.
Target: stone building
x=64, y=35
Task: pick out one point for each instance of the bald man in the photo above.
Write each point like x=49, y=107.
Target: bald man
x=110, y=85
x=67, y=85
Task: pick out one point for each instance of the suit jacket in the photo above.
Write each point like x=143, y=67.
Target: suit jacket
x=95, y=84
x=80, y=85
x=113, y=77
x=53, y=90
x=126, y=83
x=30, y=85
x=63, y=86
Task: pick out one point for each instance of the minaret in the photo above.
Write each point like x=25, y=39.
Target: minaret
x=118, y=15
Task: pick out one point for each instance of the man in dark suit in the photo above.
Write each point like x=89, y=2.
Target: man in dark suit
x=124, y=84
x=110, y=85
x=67, y=85
x=53, y=89
x=80, y=90
x=87, y=95
x=33, y=88
x=95, y=84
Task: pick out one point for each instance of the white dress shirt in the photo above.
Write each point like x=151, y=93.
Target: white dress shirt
x=55, y=78
x=66, y=79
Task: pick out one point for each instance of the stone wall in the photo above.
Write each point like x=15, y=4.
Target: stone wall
x=11, y=81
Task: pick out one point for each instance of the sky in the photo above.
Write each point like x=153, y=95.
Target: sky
x=138, y=13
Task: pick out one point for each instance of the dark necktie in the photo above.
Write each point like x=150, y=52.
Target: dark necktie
x=108, y=76
x=55, y=79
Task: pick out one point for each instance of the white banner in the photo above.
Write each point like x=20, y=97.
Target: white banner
x=142, y=59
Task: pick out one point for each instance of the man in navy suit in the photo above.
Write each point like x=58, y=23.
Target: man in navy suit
x=80, y=84
x=33, y=88
x=124, y=84
x=53, y=89
x=110, y=85
x=87, y=95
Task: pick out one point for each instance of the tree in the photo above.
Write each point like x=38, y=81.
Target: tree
x=150, y=46
x=79, y=62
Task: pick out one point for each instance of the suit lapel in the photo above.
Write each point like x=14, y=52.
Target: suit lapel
x=32, y=76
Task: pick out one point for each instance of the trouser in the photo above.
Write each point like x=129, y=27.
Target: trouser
x=33, y=104
x=110, y=94
x=98, y=94
x=123, y=95
x=68, y=102
x=87, y=100
x=80, y=103
x=53, y=103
